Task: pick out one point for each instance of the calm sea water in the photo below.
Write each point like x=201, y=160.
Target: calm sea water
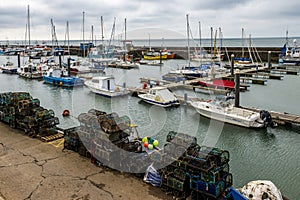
x=225, y=42
x=271, y=154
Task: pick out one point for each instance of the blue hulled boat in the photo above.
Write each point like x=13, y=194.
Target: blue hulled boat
x=9, y=67
x=60, y=77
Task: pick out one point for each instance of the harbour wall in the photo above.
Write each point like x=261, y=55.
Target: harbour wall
x=181, y=52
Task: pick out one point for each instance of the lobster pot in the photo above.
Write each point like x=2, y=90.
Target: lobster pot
x=221, y=156
x=214, y=190
x=102, y=154
x=181, y=139
x=179, y=188
x=117, y=136
x=123, y=120
x=21, y=111
x=71, y=140
x=175, y=151
x=96, y=112
x=85, y=137
x=46, y=131
x=83, y=151
x=89, y=120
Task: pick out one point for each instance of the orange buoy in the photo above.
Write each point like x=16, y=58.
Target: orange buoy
x=66, y=113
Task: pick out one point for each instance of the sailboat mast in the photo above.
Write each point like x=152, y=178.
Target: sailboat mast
x=83, y=42
x=102, y=37
x=242, y=42
x=213, y=57
x=92, y=34
x=200, y=42
x=28, y=19
x=68, y=37
x=211, y=39
x=188, y=37
x=83, y=26
x=125, y=29
x=287, y=38
x=125, y=37
x=149, y=43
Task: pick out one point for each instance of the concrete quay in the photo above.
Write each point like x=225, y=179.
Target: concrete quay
x=32, y=169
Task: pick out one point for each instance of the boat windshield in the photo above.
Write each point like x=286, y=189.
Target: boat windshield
x=166, y=95
x=224, y=101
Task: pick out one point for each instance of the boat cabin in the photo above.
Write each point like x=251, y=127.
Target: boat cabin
x=106, y=83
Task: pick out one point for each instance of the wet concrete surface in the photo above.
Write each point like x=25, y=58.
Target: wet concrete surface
x=32, y=170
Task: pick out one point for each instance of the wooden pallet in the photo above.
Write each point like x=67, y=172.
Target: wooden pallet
x=49, y=138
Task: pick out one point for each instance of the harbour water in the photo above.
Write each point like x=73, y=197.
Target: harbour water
x=270, y=154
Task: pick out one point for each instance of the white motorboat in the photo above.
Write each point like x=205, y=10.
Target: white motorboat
x=223, y=109
x=31, y=70
x=105, y=86
x=160, y=96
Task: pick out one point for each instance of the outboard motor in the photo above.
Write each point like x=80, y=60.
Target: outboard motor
x=266, y=117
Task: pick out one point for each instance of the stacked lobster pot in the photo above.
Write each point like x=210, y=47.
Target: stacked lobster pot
x=105, y=138
x=20, y=110
x=195, y=170
x=181, y=167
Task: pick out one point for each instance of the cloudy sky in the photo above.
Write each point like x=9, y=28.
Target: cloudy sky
x=149, y=18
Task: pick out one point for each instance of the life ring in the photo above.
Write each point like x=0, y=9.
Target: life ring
x=66, y=113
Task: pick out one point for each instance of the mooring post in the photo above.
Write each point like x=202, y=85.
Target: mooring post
x=237, y=90
x=59, y=56
x=269, y=59
x=69, y=65
x=232, y=65
x=19, y=61
x=185, y=99
x=160, y=59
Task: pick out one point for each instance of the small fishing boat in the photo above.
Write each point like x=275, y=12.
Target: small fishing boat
x=155, y=56
x=151, y=62
x=58, y=76
x=160, y=96
x=290, y=55
x=123, y=64
x=173, y=77
x=9, y=68
x=189, y=73
x=105, y=86
x=31, y=70
x=223, y=109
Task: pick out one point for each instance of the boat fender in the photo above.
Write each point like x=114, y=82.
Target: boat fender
x=66, y=113
x=144, y=85
x=157, y=98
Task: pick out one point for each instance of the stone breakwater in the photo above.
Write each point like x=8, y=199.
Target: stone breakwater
x=181, y=52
